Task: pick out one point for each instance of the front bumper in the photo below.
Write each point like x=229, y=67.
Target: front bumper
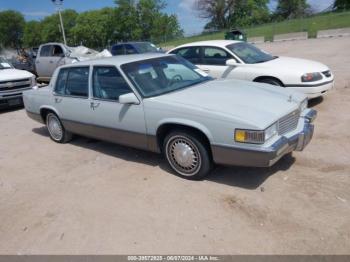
x=7, y=101
x=313, y=91
x=266, y=157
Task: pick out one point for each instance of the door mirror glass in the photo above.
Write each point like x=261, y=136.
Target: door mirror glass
x=129, y=99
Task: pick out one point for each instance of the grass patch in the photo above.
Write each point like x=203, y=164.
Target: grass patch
x=310, y=25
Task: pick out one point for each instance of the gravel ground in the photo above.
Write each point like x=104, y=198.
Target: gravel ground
x=91, y=197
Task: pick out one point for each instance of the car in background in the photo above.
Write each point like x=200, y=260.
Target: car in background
x=53, y=55
x=25, y=60
x=163, y=103
x=13, y=82
x=241, y=60
x=131, y=48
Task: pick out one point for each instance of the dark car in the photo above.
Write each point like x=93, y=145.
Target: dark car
x=130, y=48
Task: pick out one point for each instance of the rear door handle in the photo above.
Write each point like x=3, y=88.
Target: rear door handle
x=94, y=105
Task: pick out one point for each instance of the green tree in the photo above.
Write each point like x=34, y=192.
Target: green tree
x=340, y=5
x=249, y=12
x=32, y=34
x=51, y=31
x=165, y=28
x=292, y=8
x=94, y=28
x=11, y=28
x=126, y=22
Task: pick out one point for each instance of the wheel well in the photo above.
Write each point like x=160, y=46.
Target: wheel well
x=44, y=112
x=260, y=78
x=165, y=129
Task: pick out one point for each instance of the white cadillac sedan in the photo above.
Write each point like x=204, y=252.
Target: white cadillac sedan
x=240, y=60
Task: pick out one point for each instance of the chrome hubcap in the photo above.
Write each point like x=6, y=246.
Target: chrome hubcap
x=55, y=128
x=183, y=156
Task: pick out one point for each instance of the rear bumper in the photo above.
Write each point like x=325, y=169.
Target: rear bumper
x=313, y=91
x=266, y=157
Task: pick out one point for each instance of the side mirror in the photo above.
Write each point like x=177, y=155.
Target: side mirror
x=129, y=99
x=231, y=62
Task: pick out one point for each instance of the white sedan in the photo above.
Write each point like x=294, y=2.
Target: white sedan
x=240, y=60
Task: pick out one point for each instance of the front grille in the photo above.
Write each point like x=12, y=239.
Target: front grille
x=327, y=73
x=14, y=84
x=255, y=137
x=288, y=123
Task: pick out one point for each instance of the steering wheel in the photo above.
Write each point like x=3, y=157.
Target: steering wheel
x=175, y=79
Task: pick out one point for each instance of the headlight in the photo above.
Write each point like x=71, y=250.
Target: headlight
x=311, y=77
x=303, y=105
x=33, y=81
x=255, y=136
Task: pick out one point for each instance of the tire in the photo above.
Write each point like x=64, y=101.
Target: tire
x=56, y=130
x=195, y=163
x=270, y=81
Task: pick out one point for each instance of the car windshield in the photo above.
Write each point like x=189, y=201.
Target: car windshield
x=146, y=47
x=4, y=64
x=158, y=76
x=250, y=54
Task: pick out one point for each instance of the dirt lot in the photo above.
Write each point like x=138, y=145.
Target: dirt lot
x=91, y=197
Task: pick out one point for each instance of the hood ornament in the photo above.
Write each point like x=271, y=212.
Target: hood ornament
x=290, y=98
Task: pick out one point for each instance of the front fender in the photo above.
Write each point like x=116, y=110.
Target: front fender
x=186, y=122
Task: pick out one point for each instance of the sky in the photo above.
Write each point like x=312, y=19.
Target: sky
x=188, y=17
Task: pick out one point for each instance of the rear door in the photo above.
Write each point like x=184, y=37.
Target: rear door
x=43, y=60
x=71, y=99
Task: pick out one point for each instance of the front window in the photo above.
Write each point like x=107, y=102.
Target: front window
x=250, y=54
x=4, y=64
x=159, y=76
x=108, y=83
x=146, y=48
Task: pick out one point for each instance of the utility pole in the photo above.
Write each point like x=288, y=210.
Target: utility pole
x=58, y=4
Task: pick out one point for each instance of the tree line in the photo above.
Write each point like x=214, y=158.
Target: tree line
x=223, y=14
x=128, y=20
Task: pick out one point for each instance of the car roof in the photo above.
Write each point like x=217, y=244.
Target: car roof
x=219, y=43
x=118, y=60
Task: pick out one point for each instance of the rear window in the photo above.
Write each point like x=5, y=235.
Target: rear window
x=45, y=50
x=73, y=81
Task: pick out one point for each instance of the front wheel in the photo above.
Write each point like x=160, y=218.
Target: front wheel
x=187, y=155
x=56, y=130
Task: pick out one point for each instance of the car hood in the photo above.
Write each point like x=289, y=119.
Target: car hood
x=256, y=104
x=13, y=74
x=296, y=64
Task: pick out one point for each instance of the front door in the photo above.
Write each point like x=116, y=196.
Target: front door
x=115, y=122
x=213, y=62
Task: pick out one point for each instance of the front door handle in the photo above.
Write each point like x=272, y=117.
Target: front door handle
x=94, y=105
x=206, y=70
x=58, y=100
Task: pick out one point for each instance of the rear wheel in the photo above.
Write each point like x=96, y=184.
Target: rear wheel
x=187, y=155
x=270, y=81
x=56, y=130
